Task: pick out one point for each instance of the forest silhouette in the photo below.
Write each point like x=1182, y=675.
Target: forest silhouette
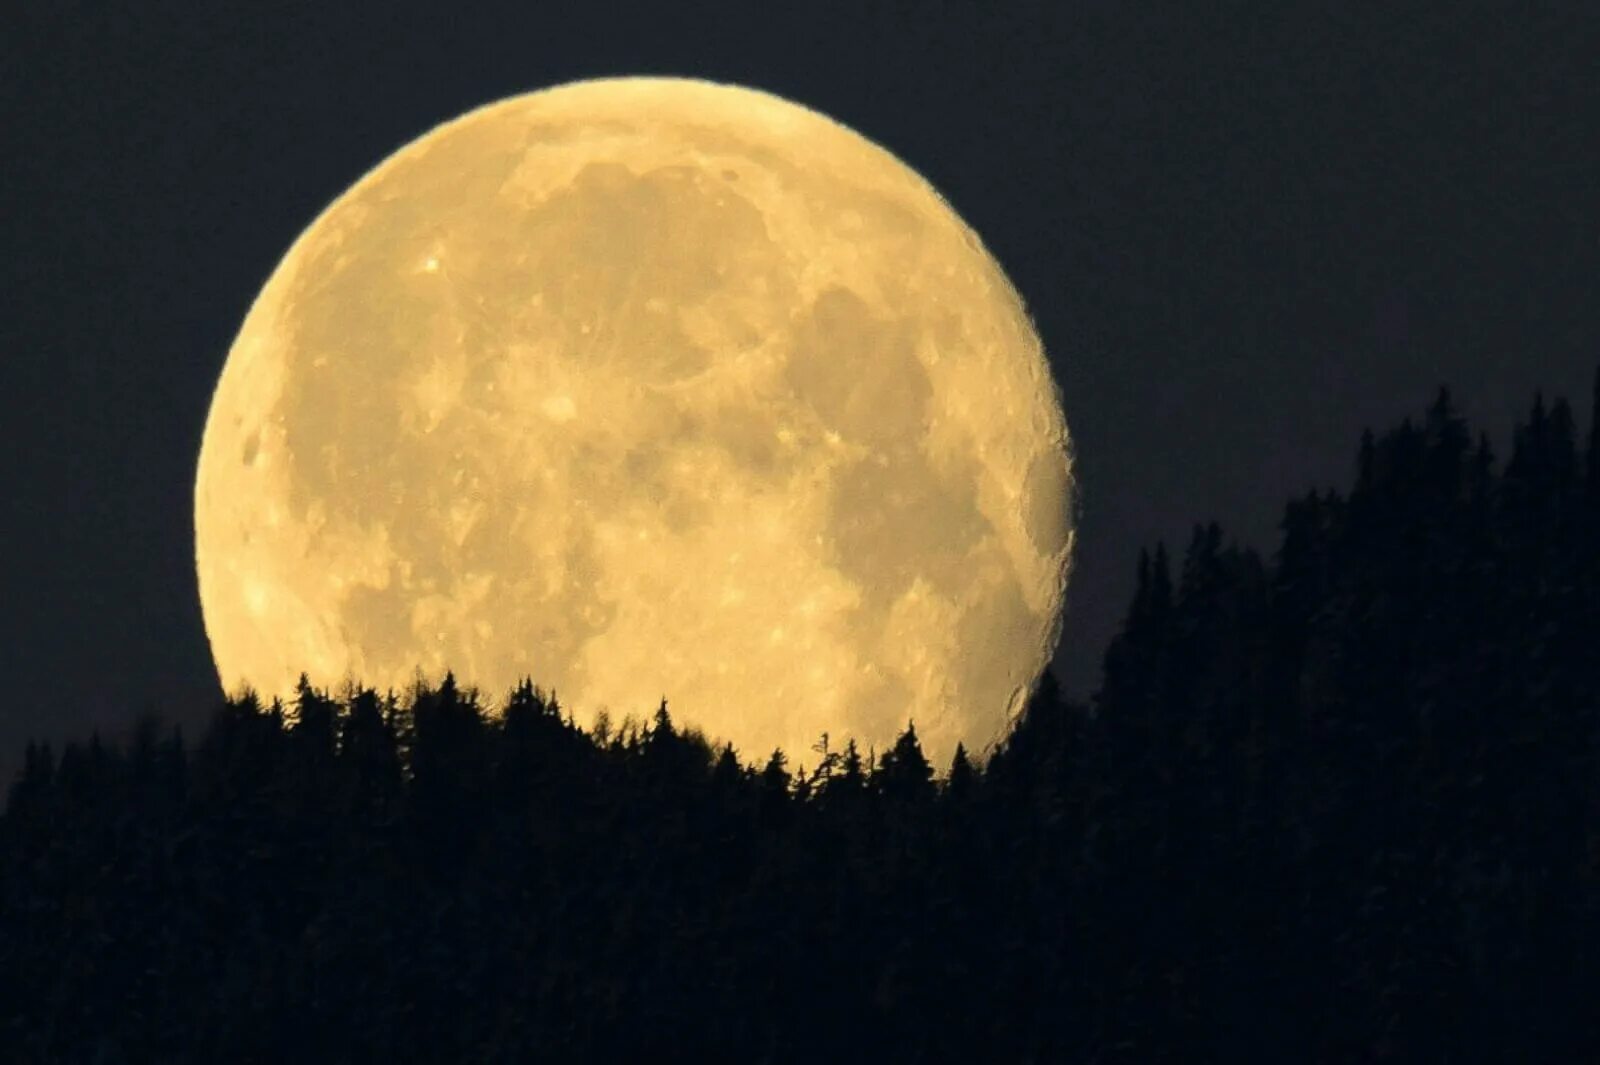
x=1338, y=804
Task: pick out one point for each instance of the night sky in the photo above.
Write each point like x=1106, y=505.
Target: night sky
x=1245, y=232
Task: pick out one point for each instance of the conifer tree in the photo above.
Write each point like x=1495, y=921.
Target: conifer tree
x=962, y=777
x=903, y=772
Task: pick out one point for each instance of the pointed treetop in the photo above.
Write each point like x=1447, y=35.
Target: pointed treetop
x=1446, y=429
x=961, y=773
x=853, y=766
x=1592, y=459
x=1561, y=419
x=904, y=770
x=1205, y=543
x=1140, y=607
x=775, y=775
x=1562, y=436
x=1161, y=581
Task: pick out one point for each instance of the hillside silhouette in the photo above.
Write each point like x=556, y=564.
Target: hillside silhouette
x=1336, y=804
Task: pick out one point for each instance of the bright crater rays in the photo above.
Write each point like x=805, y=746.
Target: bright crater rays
x=644, y=387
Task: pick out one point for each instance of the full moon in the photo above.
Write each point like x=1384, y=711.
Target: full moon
x=644, y=387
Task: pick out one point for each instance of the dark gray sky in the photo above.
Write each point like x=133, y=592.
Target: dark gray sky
x=1245, y=231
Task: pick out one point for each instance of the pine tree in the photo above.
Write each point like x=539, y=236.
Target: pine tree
x=1592, y=458
x=963, y=778
x=727, y=772
x=33, y=783
x=904, y=773
x=368, y=750
x=1160, y=587
x=774, y=785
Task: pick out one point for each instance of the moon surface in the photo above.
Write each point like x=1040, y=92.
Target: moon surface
x=644, y=387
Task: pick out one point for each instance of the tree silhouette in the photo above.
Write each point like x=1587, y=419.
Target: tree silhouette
x=903, y=773
x=1337, y=803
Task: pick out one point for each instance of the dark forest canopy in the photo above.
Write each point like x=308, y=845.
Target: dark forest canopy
x=1339, y=804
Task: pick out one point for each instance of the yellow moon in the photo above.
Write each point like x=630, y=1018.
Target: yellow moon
x=644, y=387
